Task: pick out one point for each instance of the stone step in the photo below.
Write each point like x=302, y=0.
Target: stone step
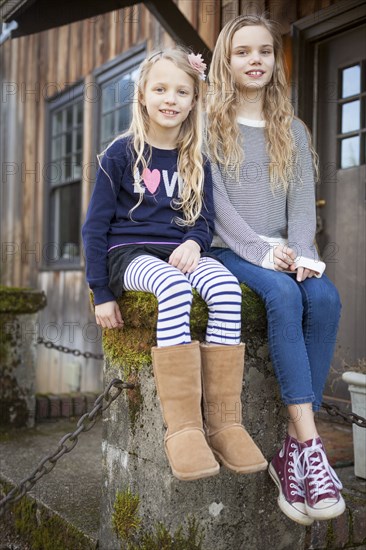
x=62, y=512
x=63, y=508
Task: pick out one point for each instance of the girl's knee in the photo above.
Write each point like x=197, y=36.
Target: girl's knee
x=334, y=299
x=175, y=286
x=325, y=296
x=284, y=292
x=226, y=291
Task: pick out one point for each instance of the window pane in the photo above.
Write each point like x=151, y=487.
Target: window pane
x=107, y=126
x=350, y=152
x=125, y=90
x=68, y=142
x=57, y=148
x=76, y=169
x=109, y=96
x=350, y=116
x=57, y=123
x=79, y=138
x=69, y=220
x=67, y=166
x=79, y=112
x=123, y=118
x=69, y=117
x=351, y=81
x=117, y=98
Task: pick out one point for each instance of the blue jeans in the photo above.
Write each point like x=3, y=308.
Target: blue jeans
x=302, y=326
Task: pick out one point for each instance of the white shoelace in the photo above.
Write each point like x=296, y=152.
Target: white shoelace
x=317, y=469
x=297, y=486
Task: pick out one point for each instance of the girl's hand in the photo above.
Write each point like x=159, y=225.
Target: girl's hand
x=284, y=258
x=302, y=273
x=108, y=315
x=186, y=256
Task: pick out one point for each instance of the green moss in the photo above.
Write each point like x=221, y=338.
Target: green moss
x=330, y=536
x=21, y=300
x=127, y=525
x=161, y=539
x=44, y=531
x=125, y=519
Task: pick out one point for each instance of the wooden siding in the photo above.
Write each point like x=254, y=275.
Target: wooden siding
x=35, y=67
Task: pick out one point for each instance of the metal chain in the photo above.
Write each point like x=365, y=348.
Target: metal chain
x=350, y=418
x=85, y=423
x=332, y=410
x=88, y=420
x=64, y=349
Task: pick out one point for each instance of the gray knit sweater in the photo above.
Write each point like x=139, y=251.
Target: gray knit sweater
x=251, y=219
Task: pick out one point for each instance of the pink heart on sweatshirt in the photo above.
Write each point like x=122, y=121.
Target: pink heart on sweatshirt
x=151, y=179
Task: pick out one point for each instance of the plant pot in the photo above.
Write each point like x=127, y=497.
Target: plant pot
x=357, y=388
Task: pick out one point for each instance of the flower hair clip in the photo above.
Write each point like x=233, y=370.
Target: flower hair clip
x=196, y=61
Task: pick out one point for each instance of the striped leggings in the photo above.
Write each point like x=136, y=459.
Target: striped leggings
x=173, y=290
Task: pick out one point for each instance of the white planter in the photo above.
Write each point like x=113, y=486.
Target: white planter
x=357, y=388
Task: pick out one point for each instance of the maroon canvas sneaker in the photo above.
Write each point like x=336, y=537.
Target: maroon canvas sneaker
x=323, y=499
x=291, y=498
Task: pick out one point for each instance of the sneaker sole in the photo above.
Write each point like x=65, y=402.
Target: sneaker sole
x=326, y=513
x=284, y=506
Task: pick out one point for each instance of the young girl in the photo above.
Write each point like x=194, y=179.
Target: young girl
x=265, y=223
x=148, y=228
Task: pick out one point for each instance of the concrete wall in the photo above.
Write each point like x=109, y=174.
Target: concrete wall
x=234, y=511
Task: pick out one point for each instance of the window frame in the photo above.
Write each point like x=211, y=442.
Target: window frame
x=123, y=63
x=67, y=98
x=359, y=132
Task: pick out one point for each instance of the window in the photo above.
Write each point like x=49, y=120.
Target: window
x=63, y=173
x=117, y=93
x=352, y=116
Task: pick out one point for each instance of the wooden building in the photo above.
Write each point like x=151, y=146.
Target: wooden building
x=67, y=76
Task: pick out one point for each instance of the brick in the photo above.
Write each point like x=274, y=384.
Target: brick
x=42, y=405
x=359, y=524
x=341, y=530
x=79, y=407
x=318, y=538
x=66, y=405
x=54, y=406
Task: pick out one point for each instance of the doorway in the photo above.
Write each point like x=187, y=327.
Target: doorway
x=330, y=76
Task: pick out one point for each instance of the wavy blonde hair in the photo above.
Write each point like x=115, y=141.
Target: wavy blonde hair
x=189, y=144
x=223, y=134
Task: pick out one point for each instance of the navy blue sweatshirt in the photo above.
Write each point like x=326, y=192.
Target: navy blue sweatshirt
x=108, y=223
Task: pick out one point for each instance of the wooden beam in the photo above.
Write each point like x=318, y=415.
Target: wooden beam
x=35, y=16
x=179, y=28
x=41, y=15
x=10, y=8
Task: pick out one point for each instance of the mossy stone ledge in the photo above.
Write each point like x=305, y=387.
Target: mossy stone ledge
x=18, y=337
x=21, y=300
x=227, y=510
x=129, y=348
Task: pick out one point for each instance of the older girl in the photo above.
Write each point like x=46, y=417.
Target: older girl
x=264, y=198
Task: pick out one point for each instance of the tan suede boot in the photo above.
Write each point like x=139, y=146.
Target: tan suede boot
x=222, y=371
x=177, y=371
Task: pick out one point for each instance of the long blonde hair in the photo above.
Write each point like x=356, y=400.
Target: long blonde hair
x=189, y=144
x=223, y=135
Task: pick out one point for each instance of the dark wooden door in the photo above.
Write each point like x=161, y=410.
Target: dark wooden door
x=341, y=194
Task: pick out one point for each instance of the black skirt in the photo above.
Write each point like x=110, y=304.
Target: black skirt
x=120, y=258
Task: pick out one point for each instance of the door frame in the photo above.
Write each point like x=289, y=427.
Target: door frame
x=306, y=33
